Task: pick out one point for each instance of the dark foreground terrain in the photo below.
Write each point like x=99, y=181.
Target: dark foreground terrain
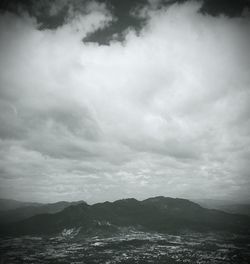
x=155, y=230
x=130, y=246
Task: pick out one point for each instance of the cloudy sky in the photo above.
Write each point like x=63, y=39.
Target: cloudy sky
x=101, y=101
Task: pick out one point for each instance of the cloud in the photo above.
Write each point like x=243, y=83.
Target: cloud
x=164, y=112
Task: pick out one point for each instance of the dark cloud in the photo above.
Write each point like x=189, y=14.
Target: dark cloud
x=231, y=8
x=54, y=14
x=49, y=14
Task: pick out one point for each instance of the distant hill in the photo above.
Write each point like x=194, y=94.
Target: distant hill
x=159, y=214
x=237, y=209
x=8, y=204
x=226, y=206
x=26, y=210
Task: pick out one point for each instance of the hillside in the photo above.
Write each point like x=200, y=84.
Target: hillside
x=9, y=204
x=159, y=214
x=226, y=206
x=27, y=210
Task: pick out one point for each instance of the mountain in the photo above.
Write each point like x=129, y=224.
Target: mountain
x=237, y=209
x=226, y=206
x=161, y=214
x=26, y=210
x=8, y=204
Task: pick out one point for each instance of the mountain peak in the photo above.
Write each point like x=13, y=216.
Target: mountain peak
x=161, y=214
x=126, y=201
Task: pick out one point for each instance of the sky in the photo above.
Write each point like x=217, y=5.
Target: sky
x=101, y=101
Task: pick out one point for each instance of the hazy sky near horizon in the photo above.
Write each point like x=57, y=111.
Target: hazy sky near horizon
x=163, y=111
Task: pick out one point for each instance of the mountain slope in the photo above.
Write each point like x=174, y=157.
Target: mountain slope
x=155, y=214
x=226, y=206
x=26, y=210
x=9, y=204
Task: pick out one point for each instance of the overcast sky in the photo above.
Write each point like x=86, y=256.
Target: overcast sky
x=164, y=110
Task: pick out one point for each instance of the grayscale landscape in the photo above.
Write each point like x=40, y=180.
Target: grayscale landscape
x=124, y=131
x=155, y=230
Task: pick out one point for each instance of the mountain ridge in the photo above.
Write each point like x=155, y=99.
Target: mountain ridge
x=11, y=204
x=242, y=208
x=25, y=210
x=160, y=214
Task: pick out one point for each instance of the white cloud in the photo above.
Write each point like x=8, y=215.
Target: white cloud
x=165, y=112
